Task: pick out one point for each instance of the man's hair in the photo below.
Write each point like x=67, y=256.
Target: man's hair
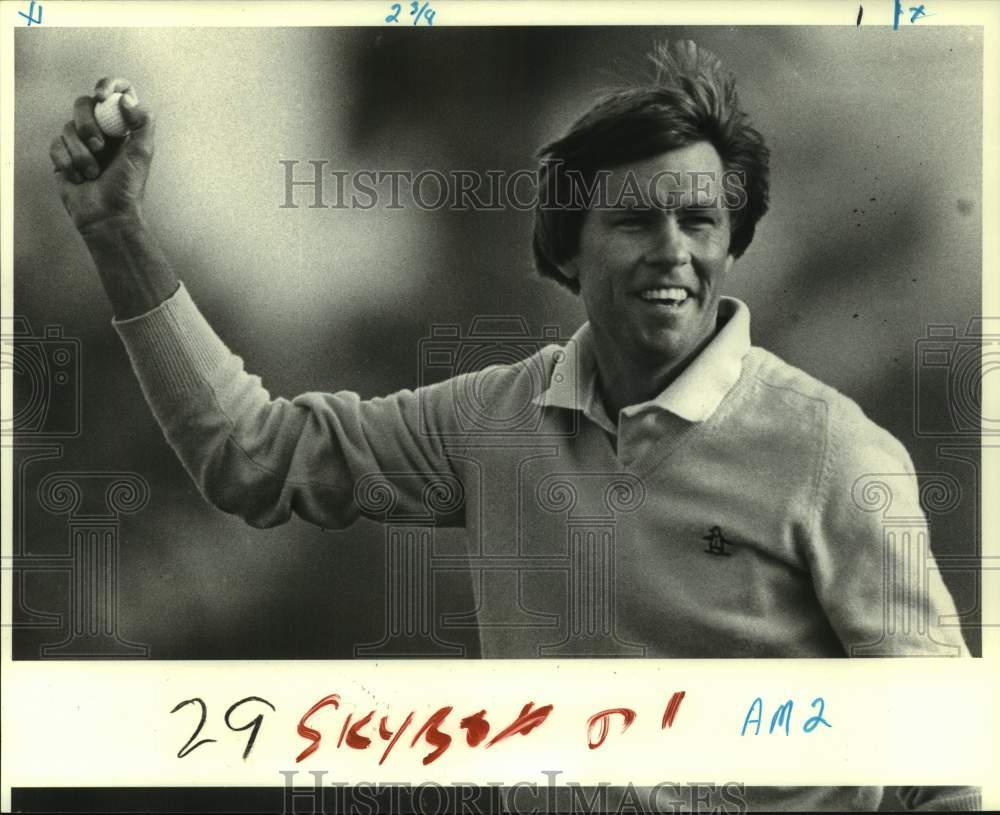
x=692, y=98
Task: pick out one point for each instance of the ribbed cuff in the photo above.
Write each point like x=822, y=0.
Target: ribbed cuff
x=173, y=349
x=967, y=802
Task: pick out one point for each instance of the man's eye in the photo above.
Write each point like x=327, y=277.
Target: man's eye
x=633, y=220
x=698, y=220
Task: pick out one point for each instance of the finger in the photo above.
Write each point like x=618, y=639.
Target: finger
x=107, y=86
x=86, y=125
x=83, y=160
x=62, y=161
x=140, y=122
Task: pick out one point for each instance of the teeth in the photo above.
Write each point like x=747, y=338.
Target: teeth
x=674, y=294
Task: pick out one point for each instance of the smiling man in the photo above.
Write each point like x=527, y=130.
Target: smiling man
x=651, y=276
x=724, y=484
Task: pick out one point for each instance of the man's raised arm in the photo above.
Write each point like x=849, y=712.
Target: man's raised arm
x=102, y=184
x=250, y=455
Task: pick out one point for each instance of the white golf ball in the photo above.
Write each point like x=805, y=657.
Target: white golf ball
x=109, y=117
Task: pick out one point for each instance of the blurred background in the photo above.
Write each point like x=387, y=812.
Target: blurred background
x=874, y=235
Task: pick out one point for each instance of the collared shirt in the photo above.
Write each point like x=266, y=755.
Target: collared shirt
x=692, y=397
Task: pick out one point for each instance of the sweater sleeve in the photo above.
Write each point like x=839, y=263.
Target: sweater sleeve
x=873, y=569
x=262, y=458
x=941, y=799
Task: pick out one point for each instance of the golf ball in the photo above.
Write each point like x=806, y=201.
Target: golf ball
x=109, y=117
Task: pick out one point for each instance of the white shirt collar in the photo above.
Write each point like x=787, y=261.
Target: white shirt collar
x=694, y=395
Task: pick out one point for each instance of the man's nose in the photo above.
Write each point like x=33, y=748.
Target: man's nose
x=669, y=243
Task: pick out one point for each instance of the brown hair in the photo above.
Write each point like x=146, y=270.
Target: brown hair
x=692, y=98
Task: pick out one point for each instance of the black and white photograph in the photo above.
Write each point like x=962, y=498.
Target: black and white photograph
x=417, y=343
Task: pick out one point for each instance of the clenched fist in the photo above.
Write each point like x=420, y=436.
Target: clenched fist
x=103, y=178
x=101, y=181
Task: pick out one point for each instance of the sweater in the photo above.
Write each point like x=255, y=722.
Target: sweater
x=740, y=513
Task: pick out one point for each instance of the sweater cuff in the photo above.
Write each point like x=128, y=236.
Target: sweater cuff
x=173, y=349
x=969, y=801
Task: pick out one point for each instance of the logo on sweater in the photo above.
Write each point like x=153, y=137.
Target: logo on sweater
x=717, y=542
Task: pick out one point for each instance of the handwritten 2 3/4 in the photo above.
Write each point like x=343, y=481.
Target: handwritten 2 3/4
x=417, y=11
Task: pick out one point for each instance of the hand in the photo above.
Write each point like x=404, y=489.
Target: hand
x=102, y=179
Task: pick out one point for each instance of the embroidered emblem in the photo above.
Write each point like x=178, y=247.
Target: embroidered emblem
x=716, y=542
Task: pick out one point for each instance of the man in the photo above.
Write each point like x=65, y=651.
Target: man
x=731, y=487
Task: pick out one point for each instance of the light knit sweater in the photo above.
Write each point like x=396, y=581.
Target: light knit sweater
x=741, y=513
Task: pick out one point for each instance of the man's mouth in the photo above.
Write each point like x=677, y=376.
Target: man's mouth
x=672, y=296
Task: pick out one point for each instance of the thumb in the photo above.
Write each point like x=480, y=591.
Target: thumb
x=139, y=120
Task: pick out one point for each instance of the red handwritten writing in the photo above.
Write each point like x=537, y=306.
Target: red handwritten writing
x=476, y=727
x=526, y=721
x=358, y=734
x=672, y=707
x=354, y=737
x=602, y=719
x=437, y=739
x=309, y=733
x=387, y=734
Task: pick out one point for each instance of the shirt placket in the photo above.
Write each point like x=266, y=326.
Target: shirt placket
x=637, y=436
x=647, y=438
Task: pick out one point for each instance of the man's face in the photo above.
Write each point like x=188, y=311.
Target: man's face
x=650, y=276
